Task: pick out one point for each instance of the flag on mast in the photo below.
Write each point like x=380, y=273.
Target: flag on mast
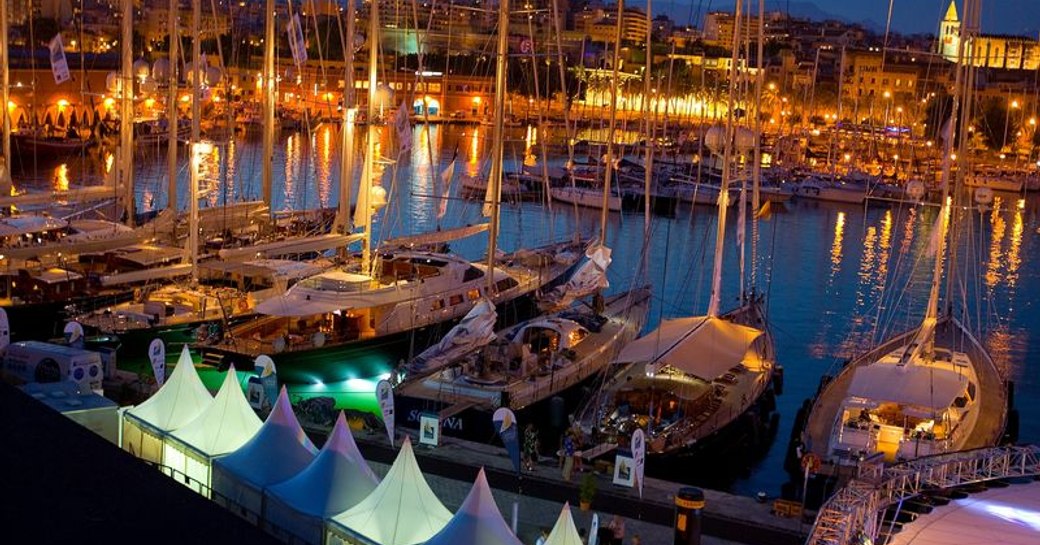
x=296, y=44
x=59, y=66
x=447, y=175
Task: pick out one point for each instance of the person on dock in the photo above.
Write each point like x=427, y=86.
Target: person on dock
x=543, y=537
x=617, y=529
x=530, y=447
x=568, y=455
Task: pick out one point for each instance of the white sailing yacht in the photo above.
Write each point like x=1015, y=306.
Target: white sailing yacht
x=929, y=390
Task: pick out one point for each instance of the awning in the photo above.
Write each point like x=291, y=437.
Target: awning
x=920, y=385
x=703, y=346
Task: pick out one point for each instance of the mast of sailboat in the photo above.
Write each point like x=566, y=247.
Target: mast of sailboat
x=756, y=167
x=648, y=116
x=5, y=126
x=720, y=235
x=346, y=157
x=171, y=107
x=497, y=136
x=608, y=169
x=363, y=209
x=268, y=109
x=196, y=143
x=126, y=114
x=926, y=335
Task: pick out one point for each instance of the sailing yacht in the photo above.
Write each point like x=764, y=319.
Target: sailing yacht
x=929, y=390
x=687, y=382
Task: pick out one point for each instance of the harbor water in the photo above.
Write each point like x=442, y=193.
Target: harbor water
x=837, y=277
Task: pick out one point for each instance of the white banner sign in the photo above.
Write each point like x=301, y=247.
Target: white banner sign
x=429, y=429
x=157, y=355
x=594, y=529
x=296, y=43
x=623, y=473
x=385, y=394
x=59, y=66
x=639, y=453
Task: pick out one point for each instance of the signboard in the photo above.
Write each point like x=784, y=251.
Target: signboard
x=385, y=395
x=505, y=422
x=639, y=455
x=157, y=355
x=429, y=429
x=624, y=470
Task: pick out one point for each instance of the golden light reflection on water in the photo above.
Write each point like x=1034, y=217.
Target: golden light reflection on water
x=323, y=164
x=820, y=347
x=60, y=180
x=993, y=275
x=293, y=171
x=836, y=250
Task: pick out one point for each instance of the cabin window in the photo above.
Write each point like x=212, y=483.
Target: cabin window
x=971, y=391
x=505, y=283
x=437, y=305
x=455, y=299
x=472, y=273
x=473, y=294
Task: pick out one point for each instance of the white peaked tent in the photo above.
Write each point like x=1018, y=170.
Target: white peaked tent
x=223, y=427
x=402, y=510
x=703, y=346
x=477, y=520
x=180, y=400
x=564, y=532
x=277, y=452
x=337, y=479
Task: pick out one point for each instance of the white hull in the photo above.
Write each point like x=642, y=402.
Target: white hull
x=583, y=196
x=995, y=183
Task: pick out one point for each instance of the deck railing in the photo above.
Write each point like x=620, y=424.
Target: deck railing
x=854, y=513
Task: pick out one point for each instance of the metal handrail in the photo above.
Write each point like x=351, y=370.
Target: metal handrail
x=855, y=511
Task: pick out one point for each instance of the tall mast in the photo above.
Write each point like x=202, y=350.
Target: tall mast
x=495, y=180
x=268, y=88
x=126, y=114
x=720, y=235
x=363, y=209
x=171, y=107
x=346, y=158
x=756, y=172
x=196, y=144
x=609, y=167
x=5, y=126
x=648, y=116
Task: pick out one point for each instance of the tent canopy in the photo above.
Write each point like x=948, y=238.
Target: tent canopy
x=278, y=451
x=402, y=510
x=920, y=385
x=477, y=520
x=180, y=400
x=564, y=532
x=338, y=479
x=225, y=425
x=703, y=346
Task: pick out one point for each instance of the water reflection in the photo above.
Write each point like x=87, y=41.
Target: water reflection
x=60, y=180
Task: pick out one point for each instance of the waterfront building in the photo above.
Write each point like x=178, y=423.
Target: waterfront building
x=989, y=50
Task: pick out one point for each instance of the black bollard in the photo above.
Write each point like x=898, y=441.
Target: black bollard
x=689, y=502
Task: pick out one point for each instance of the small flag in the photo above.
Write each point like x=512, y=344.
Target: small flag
x=264, y=366
x=296, y=43
x=505, y=422
x=385, y=395
x=59, y=66
x=403, y=127
x=765, y=212
x=157, y=355
x=447, y=175
x=594, y=530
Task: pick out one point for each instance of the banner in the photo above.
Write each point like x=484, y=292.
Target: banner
x=264, y=367
x=594, y=529
x=623, y=474
x=403, y=127
x=157, y=355
x=639, y=455
x=296, y=44
x=505, y=425
x=429, y=429
x=59, y=66
x=385, y=395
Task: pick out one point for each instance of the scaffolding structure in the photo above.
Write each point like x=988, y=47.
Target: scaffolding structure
x=854, y=514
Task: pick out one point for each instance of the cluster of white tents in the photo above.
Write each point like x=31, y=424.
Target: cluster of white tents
x=273, y=475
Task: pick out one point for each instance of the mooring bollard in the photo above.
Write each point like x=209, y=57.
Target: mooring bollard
x=689, y=502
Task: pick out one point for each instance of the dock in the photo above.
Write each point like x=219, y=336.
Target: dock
x=727, y=518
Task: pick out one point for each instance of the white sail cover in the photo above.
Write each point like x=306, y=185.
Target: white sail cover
x=703, y=346
x=402, y=510
x=919, y=385
x=591, y=276
x=475, y=330
x=181, y=399
x=277, y=452
x=564, y=532
x=337, y=479
x=477, y=520
x=225, y=425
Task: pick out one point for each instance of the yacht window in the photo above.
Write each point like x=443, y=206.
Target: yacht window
x=455, y=299
x=971, y=391
x=437, y=305
x=472, y=273
x=473, y=294
x=505, y=284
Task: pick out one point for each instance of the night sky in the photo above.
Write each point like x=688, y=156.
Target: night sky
x=908, y=16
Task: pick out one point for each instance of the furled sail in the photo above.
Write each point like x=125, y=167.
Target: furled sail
x=475, y=330
x=591, y=276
